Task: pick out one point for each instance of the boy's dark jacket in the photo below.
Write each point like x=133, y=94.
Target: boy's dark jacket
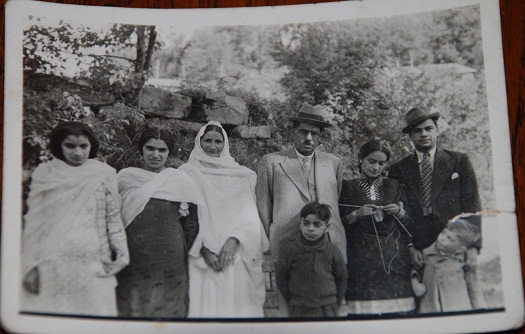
x=311, y=274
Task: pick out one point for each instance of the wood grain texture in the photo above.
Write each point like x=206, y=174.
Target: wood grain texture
x=513, y=37
x=513, y=31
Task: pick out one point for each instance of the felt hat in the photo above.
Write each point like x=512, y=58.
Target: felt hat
x=314, y=115
x=418, y=115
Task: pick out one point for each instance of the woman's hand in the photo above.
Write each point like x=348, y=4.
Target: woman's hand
x=391, y=209
x=366, y=210
x=31, y=281
x=228, y=251
x=211, y=259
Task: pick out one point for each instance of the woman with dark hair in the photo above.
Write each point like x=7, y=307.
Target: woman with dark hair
x=225, y=261
x=160, y=228
x=63, y=130
x=371, y=207
x=73, y=239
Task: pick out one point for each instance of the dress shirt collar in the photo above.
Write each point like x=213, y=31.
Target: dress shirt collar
x=432, y=155
x=301, y=157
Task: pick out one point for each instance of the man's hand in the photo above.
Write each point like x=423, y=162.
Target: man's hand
x=417, y=257
x=419, y=288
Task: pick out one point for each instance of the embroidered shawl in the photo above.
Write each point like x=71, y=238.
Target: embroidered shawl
x=57, y=193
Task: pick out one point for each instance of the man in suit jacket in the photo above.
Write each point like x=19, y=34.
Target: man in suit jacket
x=453, y=185
x=285, y=184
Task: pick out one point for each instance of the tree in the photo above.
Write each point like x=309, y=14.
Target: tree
x=331, y=67
x=464, y=122
x=458, y=38
x=68, y=69
x=232, y=58
x=97, y=59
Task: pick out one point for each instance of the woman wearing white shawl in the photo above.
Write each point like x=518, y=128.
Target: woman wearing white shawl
x=159, y=232
x=225, y=262
x=71, y=229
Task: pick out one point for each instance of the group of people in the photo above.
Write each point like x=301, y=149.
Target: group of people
x=158, y=242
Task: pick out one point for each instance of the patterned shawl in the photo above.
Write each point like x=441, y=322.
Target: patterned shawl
x=57, y=193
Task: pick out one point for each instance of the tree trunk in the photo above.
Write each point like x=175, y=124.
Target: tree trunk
x=143, y=60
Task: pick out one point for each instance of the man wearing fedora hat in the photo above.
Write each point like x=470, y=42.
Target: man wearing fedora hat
x=439, y=184
x=290, y=179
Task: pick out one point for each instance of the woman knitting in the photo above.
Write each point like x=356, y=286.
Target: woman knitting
x=377, y=241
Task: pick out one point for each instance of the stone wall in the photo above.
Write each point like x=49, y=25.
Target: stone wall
x=178, y=112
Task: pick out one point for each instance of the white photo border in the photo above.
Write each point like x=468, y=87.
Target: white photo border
x=511, y=317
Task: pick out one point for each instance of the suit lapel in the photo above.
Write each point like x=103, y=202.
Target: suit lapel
x=292, y=169
x=414, y=175
x=319, y=166
x=443, y=166
x=319, y=174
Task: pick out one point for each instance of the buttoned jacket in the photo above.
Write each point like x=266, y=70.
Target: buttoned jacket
x=454, y=191
x=282, y=192
x=451, y=286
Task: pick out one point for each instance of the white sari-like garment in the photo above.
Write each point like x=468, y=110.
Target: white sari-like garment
x=230, y=210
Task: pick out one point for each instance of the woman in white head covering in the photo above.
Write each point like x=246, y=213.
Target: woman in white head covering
x=225, y=262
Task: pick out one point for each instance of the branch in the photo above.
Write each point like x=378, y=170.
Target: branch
x=91, y=55
x=139, y=62
x=111, y=56
x=151, y=45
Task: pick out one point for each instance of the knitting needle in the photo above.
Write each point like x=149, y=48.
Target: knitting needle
x=379, y=207
x=352, y=206
x=403, y=226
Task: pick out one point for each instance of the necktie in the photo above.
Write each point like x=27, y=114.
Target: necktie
x=306, y=165
x=426, y=179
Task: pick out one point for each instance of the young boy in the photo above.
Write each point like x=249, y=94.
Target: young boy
x=310, y=271
x=448, y=285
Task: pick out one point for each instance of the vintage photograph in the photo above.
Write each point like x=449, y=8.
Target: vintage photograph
x=349, y=167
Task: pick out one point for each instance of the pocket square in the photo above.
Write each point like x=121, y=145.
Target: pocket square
x=454, y=176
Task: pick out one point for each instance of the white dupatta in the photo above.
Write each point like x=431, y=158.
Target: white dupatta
x=230, y=209
x=57, y=193
x=137, y=186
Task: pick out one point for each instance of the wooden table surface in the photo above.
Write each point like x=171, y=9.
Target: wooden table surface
x=513, y=31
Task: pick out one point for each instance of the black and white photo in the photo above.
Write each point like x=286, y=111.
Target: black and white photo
x=345, y=164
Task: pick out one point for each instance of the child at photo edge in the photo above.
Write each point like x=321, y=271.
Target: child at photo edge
x=310, y=271
x=448, y=284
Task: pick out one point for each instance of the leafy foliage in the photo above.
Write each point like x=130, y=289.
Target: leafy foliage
x=98, y=59
x=366, y=73
x=114, y=126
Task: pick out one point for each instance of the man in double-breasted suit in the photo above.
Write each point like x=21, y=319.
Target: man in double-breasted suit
x=453, y=185
x=288, y=180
